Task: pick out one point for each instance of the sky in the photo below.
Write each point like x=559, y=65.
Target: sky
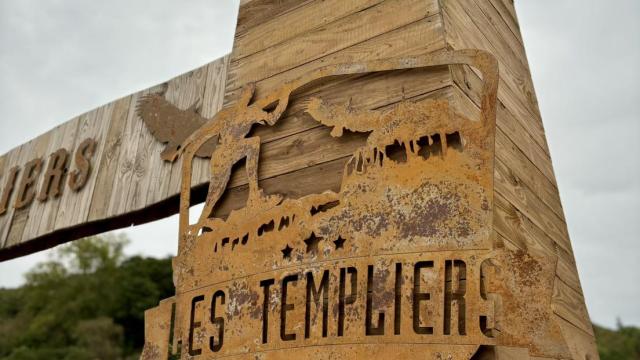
x=61, y=58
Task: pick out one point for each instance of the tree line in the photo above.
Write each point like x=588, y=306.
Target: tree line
x=88, y=302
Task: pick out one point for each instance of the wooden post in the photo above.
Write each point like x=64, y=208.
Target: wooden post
x=498, y=244
x=397, y=197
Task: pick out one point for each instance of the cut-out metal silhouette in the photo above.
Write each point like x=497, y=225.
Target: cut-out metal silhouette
x=412, y=220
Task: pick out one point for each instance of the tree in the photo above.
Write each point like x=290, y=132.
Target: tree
x=87, y=302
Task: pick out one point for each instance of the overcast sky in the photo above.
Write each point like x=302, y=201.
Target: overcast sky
x=61, y=58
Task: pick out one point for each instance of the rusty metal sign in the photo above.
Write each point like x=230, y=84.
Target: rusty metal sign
x=401, y=262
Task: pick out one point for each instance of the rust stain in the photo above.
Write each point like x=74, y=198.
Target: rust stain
x=402, y=254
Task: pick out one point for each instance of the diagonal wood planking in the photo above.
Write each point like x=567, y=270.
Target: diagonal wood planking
x=128, y=183
x=528, y=212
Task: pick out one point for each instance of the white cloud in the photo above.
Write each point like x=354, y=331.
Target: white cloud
x=61, y=58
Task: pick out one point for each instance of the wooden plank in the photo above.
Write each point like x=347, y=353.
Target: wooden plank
x=418, y=38
x=212, y=102
x=515, y=127
x=308, y=17
x=12, y=158
x=569, y=305
x=66, y=211
x=146, y=153
x=184, y=91
x=553, y=228
x=214, y=88
x=521, y=177
x=517, y=189
x=516, y=88
x=74, y=207
x=327, y=40
x=316, y=145
x=255, y=12
x=295, y=184
x=371, y=91
x=33, y=150
x=37, y=210
x=515, y=181
x=582, y=345
x=497, y=30
x=126, y=161
x=509, y=51
x=109, y=160
x=510, y=8
x=507, y=17
x=518, y=230
x=65, y=138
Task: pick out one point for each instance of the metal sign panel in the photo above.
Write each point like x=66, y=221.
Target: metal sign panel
x=401, y=256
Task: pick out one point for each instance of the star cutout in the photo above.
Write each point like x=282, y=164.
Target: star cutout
x=312, y=243
x=339, y=243
x=286, y=252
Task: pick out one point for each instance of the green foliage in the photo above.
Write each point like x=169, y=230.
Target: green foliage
x=89, y=303
x=86, y=303
x=620, y=344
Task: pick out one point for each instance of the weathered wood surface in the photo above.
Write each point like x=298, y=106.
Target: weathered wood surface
x=528, y=213
x=129, y=178
x=128, y=182
x=278, y=41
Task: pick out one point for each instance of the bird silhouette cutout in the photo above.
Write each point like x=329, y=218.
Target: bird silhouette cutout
x=171, y=125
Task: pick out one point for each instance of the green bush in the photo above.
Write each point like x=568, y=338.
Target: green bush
x=87, y=303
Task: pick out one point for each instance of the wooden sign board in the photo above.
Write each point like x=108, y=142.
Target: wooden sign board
x=101, y=170
x=382, y=189
x=408, y=237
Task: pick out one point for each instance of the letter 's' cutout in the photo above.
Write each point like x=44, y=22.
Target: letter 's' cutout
x=218, y=321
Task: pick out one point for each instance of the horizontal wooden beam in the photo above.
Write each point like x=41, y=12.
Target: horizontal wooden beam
x=99, y=171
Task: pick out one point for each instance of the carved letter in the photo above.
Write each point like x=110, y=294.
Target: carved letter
x=379, y=329
x=52, y=184
x=397, y=313
x=454, y=291
x=311, y=291
x=265, y=308
x=219, y=321
x=419, y=297
x=193, y=325
x=344, y=300
x=79, y=177
x=26, y=190
x=489, y=291
x=8, y=189
x=286, y=307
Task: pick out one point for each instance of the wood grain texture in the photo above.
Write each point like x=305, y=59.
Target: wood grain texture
x=570, y=305
x=74, y=206
x=307, y=18
x=12, y=159
x=185, y=91
x=127, y=174
x=327, y=40
x=38, y=209
x=298, y=156
x=421, y=37
x=528, y=213
x=256, y=12
x=109, y=159
x=35, y=149
x=280, y=40
x=516, y=88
